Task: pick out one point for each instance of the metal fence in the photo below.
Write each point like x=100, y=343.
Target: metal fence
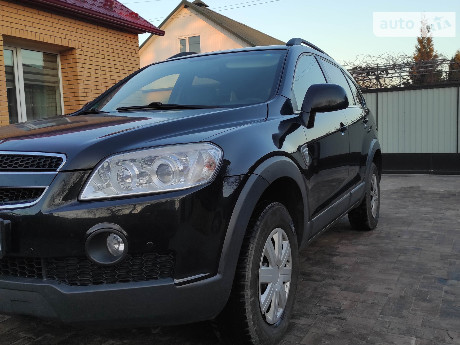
x=402, y=72
x=425, y=120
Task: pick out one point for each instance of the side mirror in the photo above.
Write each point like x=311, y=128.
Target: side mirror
x=321, y=98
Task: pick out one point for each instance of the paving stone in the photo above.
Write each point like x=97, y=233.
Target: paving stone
x=389, y=338
x=316, y=338
x=399, y=284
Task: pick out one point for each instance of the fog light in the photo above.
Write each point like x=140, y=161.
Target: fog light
x=106, y=244
x=115, y=245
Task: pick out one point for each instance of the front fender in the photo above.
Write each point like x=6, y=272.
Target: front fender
x=266, y=173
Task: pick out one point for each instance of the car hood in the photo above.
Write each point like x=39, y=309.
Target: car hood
x=86, y=139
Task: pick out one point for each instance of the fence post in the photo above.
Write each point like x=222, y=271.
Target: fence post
x=377, y=109
x=458, y=119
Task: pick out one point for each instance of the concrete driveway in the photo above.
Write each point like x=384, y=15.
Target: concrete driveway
x=399, y=284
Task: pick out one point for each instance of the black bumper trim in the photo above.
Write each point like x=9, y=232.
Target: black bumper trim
x=159, y=302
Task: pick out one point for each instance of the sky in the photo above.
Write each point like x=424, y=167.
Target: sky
x=344, y=29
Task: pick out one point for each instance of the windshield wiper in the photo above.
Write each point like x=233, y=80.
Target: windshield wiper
x=163, y=106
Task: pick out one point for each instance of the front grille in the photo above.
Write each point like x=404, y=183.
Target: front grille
x=21, y=267
x=79, y=271
x=11, y=195
x=23, y=162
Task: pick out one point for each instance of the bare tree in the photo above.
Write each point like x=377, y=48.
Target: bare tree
x=383, y=71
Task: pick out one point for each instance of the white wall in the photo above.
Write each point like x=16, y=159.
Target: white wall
x=183, y=24
x=417, y=121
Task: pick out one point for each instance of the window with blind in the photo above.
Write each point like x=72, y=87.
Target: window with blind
x=33, y=84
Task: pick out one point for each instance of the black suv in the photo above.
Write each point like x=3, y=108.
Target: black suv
x=184, y=192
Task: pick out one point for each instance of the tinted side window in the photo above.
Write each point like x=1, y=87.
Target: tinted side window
x=354, y=89
x=335, y=76
x=306, y=74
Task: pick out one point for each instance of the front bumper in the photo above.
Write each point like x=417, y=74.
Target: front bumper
x=47, y=243
x=190, y=224
x=145, y=303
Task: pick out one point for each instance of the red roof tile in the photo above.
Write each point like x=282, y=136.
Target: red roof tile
x=103, y=12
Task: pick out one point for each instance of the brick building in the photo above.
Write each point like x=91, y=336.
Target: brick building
x=56, y=55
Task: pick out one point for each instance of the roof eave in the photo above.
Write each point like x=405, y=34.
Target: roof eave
x=85, y=14
x=184, y=4
x=178, y=7
x=204, y=14
x=229, y=29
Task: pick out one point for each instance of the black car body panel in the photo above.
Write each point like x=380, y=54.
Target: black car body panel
x=191, y=238
x=86, y=139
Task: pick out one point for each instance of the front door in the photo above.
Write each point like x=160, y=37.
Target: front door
x=326, y=151
x=328, y=174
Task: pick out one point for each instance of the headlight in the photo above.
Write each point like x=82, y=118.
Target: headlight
x=153, y=170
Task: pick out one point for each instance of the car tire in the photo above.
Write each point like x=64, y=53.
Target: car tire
x=366, y=216
x=263, y=293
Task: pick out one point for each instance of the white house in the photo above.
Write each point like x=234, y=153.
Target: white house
x=193, y=27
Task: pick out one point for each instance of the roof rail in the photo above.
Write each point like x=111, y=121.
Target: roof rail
x=300, y=41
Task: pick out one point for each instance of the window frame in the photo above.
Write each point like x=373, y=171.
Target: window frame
x=187, y=42
x=19, y=79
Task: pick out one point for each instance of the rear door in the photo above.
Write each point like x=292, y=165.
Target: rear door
x=360, y=128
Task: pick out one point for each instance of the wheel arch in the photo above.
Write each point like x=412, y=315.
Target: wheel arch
x=286, y=191
x=275, y=179
x=286, y=185
x=374, y=156
x=377, y=159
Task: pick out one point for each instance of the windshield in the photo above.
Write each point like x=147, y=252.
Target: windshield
x=222, y=80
